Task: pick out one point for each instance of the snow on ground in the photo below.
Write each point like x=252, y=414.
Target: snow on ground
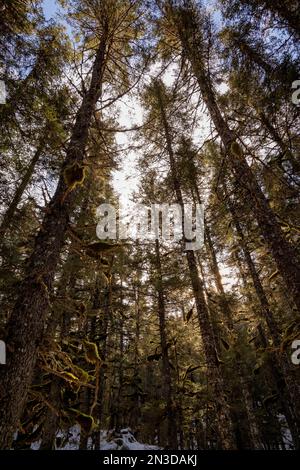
x=125, y=441
x=109, y=440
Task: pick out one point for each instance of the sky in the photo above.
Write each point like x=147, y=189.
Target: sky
x=50, y=7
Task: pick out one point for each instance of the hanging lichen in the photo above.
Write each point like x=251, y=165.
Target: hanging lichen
x=91, y=352
x=95, y=249
x=273, y=275
x=291, y=333
x=74, y=175
x=82, y=375
x=236, y=150
x=85, y=421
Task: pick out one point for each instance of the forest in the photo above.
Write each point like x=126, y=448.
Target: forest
x=136, y=343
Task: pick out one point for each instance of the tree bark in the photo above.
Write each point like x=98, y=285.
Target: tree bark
x=51, y=420
x=284, y=147
x=26, y=324
x=170, y=411
x=102, y=329
x=10, y=211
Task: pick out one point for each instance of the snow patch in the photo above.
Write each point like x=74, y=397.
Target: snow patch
x=109, y=440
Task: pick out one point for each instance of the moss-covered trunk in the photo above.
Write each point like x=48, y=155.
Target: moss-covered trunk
x=27, y=322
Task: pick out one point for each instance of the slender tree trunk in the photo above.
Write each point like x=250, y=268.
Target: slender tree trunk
x=265, y=307
x=255, y=56
x=102, y=328
x=10, y=212
x=51, y=420
x=224, y=424
x=136, y=415
x=26, y=324
x=170, y=411
x=85, y=407
x=89, y=402
x=218, y=280
x=280, y=142
x=118, y=410
x=283, y=9
x=50, y=427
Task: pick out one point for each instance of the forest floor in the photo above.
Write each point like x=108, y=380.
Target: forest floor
x=70, y=440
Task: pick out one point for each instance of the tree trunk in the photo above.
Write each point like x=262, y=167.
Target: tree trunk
x=51, y=420
x=170, y=411
x=238, y=42
x=102, y=329
x=284, y=147
x=136, y=415
x=274, y=367
x=10, y=212
x=26, y=324
x=50, y=427
x=218, y=280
